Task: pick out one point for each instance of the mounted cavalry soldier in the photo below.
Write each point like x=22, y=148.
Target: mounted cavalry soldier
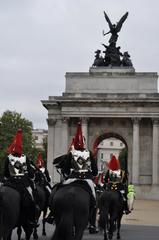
x=19, y=174
x=116, y=179
x=79, y=167
x=42, y=175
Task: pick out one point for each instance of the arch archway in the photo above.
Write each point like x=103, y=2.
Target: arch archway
x=105, y=136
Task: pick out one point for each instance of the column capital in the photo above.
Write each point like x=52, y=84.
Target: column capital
x=85, y=120
x=136, y=120
x=51, y=122
x=65, y=119
x=155, y=121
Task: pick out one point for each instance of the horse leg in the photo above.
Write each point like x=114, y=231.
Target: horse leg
x=111, y=228
x=28, y=231
x=44, y=222
x=9, y=237
x=79, y=233
x=35, y=234
x=105, y=234
x=19, y=232
x=118, y=226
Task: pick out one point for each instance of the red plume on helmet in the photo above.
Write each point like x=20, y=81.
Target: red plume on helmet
x=40, y=161
x=78, y=139
x=16, y=145
x=113, y=164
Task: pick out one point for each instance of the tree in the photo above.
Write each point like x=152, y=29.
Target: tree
x=10, y=122
x=123, y=159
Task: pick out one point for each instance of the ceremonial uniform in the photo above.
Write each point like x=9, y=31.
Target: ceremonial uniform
x=42, y=175
x=80, y=165
x=116, y=179
x=19, y=174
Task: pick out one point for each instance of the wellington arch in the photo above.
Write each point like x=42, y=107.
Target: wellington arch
x=111, y=98
x=117, y=100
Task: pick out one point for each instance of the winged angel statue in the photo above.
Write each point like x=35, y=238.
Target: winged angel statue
x=114, y=28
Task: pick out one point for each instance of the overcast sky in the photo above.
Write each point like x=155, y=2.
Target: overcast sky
x=41, y=40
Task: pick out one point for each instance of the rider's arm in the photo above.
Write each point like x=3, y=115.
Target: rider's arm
x=66, y=169
x=31, y=169
x=47, y=175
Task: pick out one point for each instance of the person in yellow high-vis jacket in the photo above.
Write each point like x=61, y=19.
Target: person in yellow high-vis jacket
x=131, y=195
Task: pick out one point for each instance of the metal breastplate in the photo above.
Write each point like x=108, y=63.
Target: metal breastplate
x=81, y=160
x=17, y=165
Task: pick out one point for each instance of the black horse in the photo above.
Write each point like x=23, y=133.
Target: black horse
x=43, y=202
x=42, y=199
x=110, y=213
x=10, y=212
x=71, y=207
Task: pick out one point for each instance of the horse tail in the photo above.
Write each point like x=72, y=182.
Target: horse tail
x=103, y=218
x=64, y=229
x=104, y=211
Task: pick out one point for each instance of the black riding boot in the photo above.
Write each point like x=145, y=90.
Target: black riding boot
x=125, y=203
x=35, y=216
x=92, y=220
x=126, y=208
x=35, y=209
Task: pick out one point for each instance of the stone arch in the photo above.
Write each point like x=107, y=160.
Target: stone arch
x=107, y=135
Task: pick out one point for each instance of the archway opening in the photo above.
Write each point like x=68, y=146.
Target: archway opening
x=109, y=144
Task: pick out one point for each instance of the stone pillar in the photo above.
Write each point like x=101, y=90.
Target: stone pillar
x=85, y=130
x=50, y=148
x=58, y=146
x=64, y=139
x=155, y=152
x=135, y=152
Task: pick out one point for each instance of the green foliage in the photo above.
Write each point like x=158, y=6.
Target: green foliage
x=10, y=123
x=123, y=158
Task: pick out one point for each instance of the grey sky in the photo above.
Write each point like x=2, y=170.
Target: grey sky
x=41, y=40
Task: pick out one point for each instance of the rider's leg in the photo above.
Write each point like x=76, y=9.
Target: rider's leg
x=93, y=208
x=50, y=218
x=35, y=207
x=125, y=202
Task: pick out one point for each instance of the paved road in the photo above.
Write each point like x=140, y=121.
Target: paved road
x=128, y=232
x=141, y=224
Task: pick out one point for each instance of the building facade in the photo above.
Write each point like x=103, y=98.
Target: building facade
x=106, y=149
x=111, y=102
x=39, y=135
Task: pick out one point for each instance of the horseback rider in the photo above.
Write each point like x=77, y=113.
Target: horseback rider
x=19, y=174
x=116, y=179
x=80, y=166
x=42, y=175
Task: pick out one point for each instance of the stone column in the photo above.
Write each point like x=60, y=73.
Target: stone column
x=155, y=151
x=85, y=130
x=50, y=148
x=64, y=139
x=135, y=152
x=58, y=146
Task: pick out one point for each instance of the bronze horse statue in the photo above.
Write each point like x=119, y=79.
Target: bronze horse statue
x=70, y=205
x=110, y=213
x=10, y=212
